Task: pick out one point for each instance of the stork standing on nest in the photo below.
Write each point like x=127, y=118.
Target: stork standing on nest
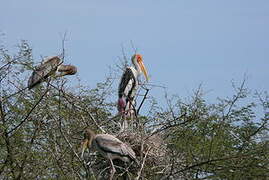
x=110, y=147
x=128, y=87
x=51, y=66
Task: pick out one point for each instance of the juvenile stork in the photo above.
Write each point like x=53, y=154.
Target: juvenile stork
x=109, y=146
x=129, y=85
x=51, y=66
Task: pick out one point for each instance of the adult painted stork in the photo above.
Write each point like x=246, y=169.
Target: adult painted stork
x=129, y=84
x=109, y=146
x=51, y=66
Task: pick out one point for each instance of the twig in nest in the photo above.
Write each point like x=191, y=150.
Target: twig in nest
x=143, y=164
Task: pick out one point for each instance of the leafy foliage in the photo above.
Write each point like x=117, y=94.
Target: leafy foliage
x=41, y=131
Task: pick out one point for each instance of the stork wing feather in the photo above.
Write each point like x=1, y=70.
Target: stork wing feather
x=127, y=84
x=44, y=70
x=111, y=144
x=128, y=150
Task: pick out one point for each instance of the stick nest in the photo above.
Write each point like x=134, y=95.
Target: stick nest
x=152, y=146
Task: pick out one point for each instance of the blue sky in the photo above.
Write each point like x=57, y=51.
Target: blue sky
x=184, y=42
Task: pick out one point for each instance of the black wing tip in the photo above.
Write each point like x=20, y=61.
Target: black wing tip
x=31, y=85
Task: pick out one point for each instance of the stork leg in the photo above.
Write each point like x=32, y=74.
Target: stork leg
x=125, y=124
x=131, y=112
x=112, y=170
x=132, y=119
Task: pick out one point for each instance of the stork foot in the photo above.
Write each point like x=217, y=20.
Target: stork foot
x=112, y=170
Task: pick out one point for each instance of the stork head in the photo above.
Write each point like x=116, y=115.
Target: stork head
x=137, y=60
x=86, y=143
x=66, y=70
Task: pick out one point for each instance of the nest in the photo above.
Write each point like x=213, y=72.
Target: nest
x=145, y=145
x=153, y=147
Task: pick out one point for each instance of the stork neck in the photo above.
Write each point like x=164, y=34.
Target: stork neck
x=90, y=136
x=90, y=141
x=137, y=67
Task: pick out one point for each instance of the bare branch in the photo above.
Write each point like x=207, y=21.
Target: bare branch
x=29, y=113
x=143, y=164
x=144, y=98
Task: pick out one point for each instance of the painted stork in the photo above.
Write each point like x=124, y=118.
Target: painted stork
x=51, y=66
x=129, y=84
x=109, y=146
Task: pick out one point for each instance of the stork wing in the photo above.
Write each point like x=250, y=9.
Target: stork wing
x=127, y=84
x=127, y=149
x=111, y=144
x=44, y=70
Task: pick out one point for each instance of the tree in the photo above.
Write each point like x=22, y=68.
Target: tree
x=41, y=131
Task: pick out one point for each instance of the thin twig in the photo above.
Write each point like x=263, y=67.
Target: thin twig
x=19, y=91
x=143, y=164
x=207, y=162
x=144, y=98
x=29, y=113
x=67, y=141
x=171, y=125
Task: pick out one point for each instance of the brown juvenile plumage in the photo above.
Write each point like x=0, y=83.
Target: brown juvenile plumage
x=67, y=70
x=50, y=66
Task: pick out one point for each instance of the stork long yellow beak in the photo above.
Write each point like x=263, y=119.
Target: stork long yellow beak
x=84, y=145
x=144, y=70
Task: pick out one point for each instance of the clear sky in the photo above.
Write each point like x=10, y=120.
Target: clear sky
x=184, y=42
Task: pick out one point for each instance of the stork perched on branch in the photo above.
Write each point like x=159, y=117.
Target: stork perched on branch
x=110, y=147
x=51, y=66
x=129, y=85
